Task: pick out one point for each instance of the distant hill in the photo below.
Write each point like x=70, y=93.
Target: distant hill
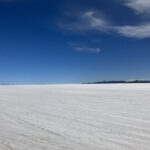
x=115, y=82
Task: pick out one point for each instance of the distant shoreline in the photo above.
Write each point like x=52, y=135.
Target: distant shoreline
x=117, y=82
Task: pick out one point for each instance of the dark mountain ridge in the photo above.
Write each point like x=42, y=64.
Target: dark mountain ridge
x=121, y=81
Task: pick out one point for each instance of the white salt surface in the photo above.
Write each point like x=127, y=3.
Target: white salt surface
x=75, y=117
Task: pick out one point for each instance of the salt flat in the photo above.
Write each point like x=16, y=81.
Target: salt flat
x=75, y=117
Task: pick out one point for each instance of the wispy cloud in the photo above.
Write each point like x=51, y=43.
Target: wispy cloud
x=87, y=21
x=94, y=21
x=140, y=31
x=140, y=6
x=80, y=47
x=90, y=49
x=83, y=22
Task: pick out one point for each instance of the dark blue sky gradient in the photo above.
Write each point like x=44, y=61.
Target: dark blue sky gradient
x=35, y=49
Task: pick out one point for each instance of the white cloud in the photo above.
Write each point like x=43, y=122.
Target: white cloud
x=82, y=47
x=141, y=31
x=90, y=49
x=93, y=21
x=137, y=31
x=140, y=6
x=84, y=22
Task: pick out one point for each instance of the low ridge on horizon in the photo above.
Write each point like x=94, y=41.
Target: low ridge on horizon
x=119, y=81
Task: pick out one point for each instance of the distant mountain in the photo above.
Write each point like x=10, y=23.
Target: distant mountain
x=122, y=81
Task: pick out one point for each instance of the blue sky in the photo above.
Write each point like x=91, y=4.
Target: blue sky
x=66, y=41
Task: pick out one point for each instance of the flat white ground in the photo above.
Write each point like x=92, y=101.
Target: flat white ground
x=75, y=117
